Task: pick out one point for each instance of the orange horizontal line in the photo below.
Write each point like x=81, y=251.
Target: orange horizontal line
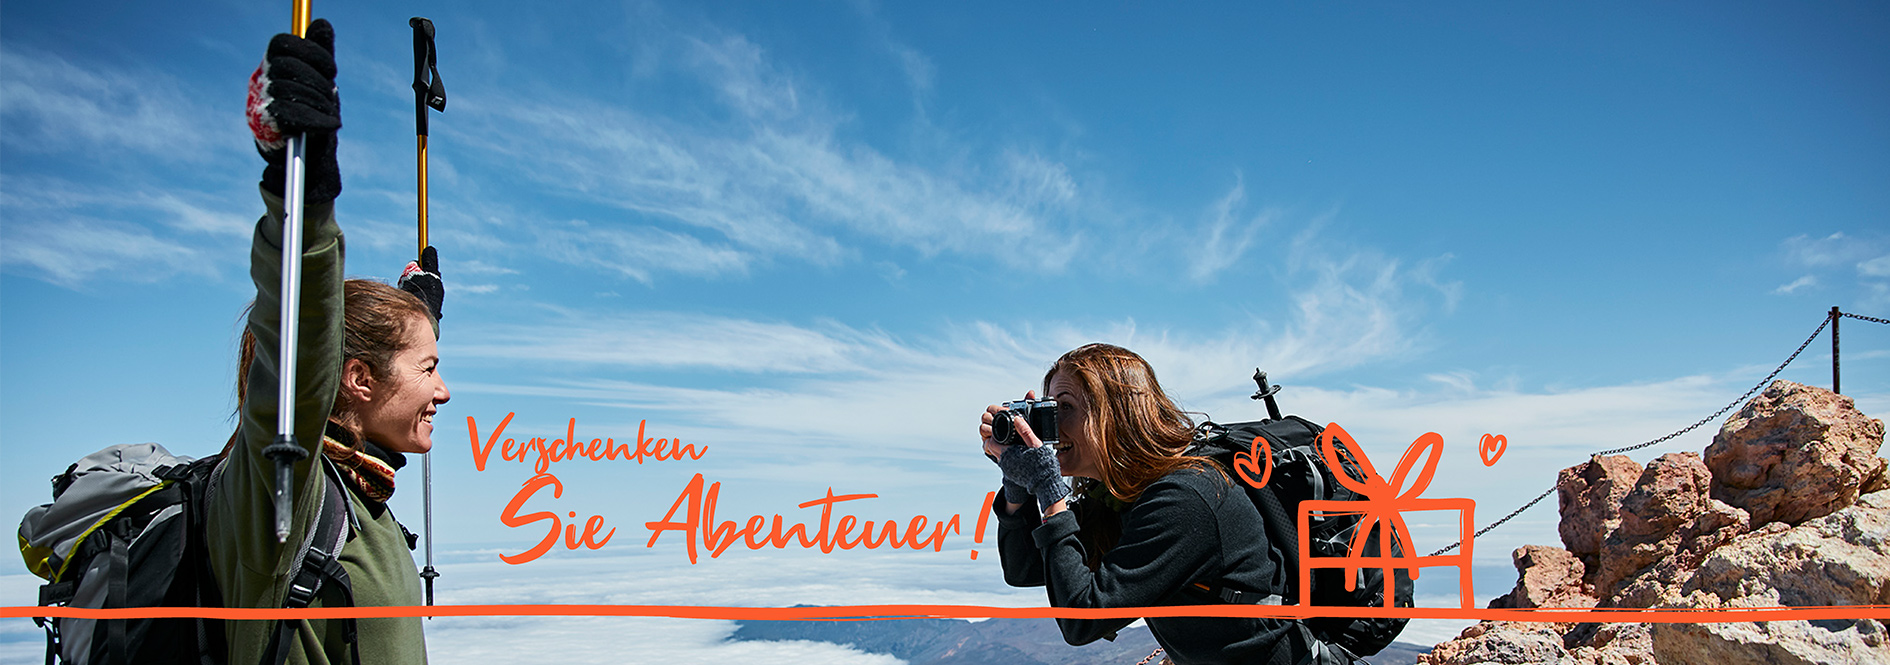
x=858, y=612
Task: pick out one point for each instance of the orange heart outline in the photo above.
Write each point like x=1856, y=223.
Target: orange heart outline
x=1245, y=466
x=1491, y=448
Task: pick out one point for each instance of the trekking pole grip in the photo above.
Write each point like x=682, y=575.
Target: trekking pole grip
x=285, y=453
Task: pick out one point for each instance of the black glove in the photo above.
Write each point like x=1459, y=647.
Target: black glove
x=422, y=279
x=1015, y=493
x=1035, y=469
x=293, y=92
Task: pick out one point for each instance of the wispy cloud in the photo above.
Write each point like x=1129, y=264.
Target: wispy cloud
x=1832, y=250
x=73, y=212
x=1877, y=267
x=68, y=233
x=1353, y=312
x=1228, y=233
x=1796, y=284
x=673, y=340
x=666, y=578
x=51, y=104
x=1841, y=260
x=776, y=181
x=72, y=249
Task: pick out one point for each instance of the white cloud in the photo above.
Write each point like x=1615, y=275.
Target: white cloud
x=664, y=577
x=740, y=72
x=53, y=105
x=1802, y=282
x=919, y=69
x=665, y=340
x=71, y=250
x=1831, y=250
x=780, y=182
x=68, y=234
x=1877, y=267
x=827, y=396
x=1827, y=259
x=639, y=253
x=607, y=640
x=1227, y=236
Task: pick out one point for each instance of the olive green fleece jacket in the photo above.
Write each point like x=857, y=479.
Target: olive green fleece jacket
x=252, y=568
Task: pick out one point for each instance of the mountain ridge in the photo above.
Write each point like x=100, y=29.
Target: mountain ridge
x=988, y=642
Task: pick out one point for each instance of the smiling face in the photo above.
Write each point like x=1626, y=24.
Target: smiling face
x=396, y=411
x=1077, y=451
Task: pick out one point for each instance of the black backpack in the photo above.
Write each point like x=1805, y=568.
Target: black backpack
x=1300, y=473
x=126, y=529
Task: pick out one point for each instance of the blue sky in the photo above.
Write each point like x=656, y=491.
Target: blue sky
x=818, y=237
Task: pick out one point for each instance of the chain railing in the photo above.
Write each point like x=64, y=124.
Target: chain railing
x=1829, y=320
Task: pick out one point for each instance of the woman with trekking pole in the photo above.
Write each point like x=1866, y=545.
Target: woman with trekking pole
x=365, y=388
x=1146, y=524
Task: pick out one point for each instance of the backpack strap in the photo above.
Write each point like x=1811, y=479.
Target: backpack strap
x=115, y=583
x=1321, y=652
x=1234, y=596
x=320, y=561
x=1282, y=532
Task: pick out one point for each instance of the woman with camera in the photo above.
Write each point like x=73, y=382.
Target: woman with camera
x=367, y=387
x=1145, y=524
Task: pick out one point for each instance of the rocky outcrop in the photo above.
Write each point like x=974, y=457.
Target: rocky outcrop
x=1547, y=577
x=1669, y=497
x=1839, y=559
x=1590, y=496
x=1499, y=642
x=1795, y=453
x=1787, y=507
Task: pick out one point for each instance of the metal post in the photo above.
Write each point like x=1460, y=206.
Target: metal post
x=1835, y=317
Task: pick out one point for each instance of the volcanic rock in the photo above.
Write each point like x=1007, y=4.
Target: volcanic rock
x=1788, y=507
x=1671, y=493
x=1590, y=496
x=1500, y=642
x=1794, y=453
x=1546, y=577
x=1836, y=560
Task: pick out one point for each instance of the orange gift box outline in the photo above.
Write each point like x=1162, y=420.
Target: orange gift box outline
x=1383, y=511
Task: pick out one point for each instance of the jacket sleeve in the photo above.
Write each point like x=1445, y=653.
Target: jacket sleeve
x=242, y=514
x=1168, y=539
x=1023, y=564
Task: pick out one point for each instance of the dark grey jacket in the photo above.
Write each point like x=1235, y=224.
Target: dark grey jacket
x=1190, y=527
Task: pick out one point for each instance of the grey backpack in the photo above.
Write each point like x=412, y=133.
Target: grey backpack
x=126, y=529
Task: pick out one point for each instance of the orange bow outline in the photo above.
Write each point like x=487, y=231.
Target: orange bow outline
x=1384, y=502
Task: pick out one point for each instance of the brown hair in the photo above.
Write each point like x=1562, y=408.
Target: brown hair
x=376, y=318
x=1136, y=433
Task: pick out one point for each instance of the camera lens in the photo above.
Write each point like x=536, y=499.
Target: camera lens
x=1001, y=430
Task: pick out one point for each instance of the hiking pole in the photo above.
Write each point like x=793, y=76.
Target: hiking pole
x=284, y=450
x=1266, y=392
x=427, y=91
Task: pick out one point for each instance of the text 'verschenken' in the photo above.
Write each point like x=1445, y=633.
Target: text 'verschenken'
x=543, y=452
